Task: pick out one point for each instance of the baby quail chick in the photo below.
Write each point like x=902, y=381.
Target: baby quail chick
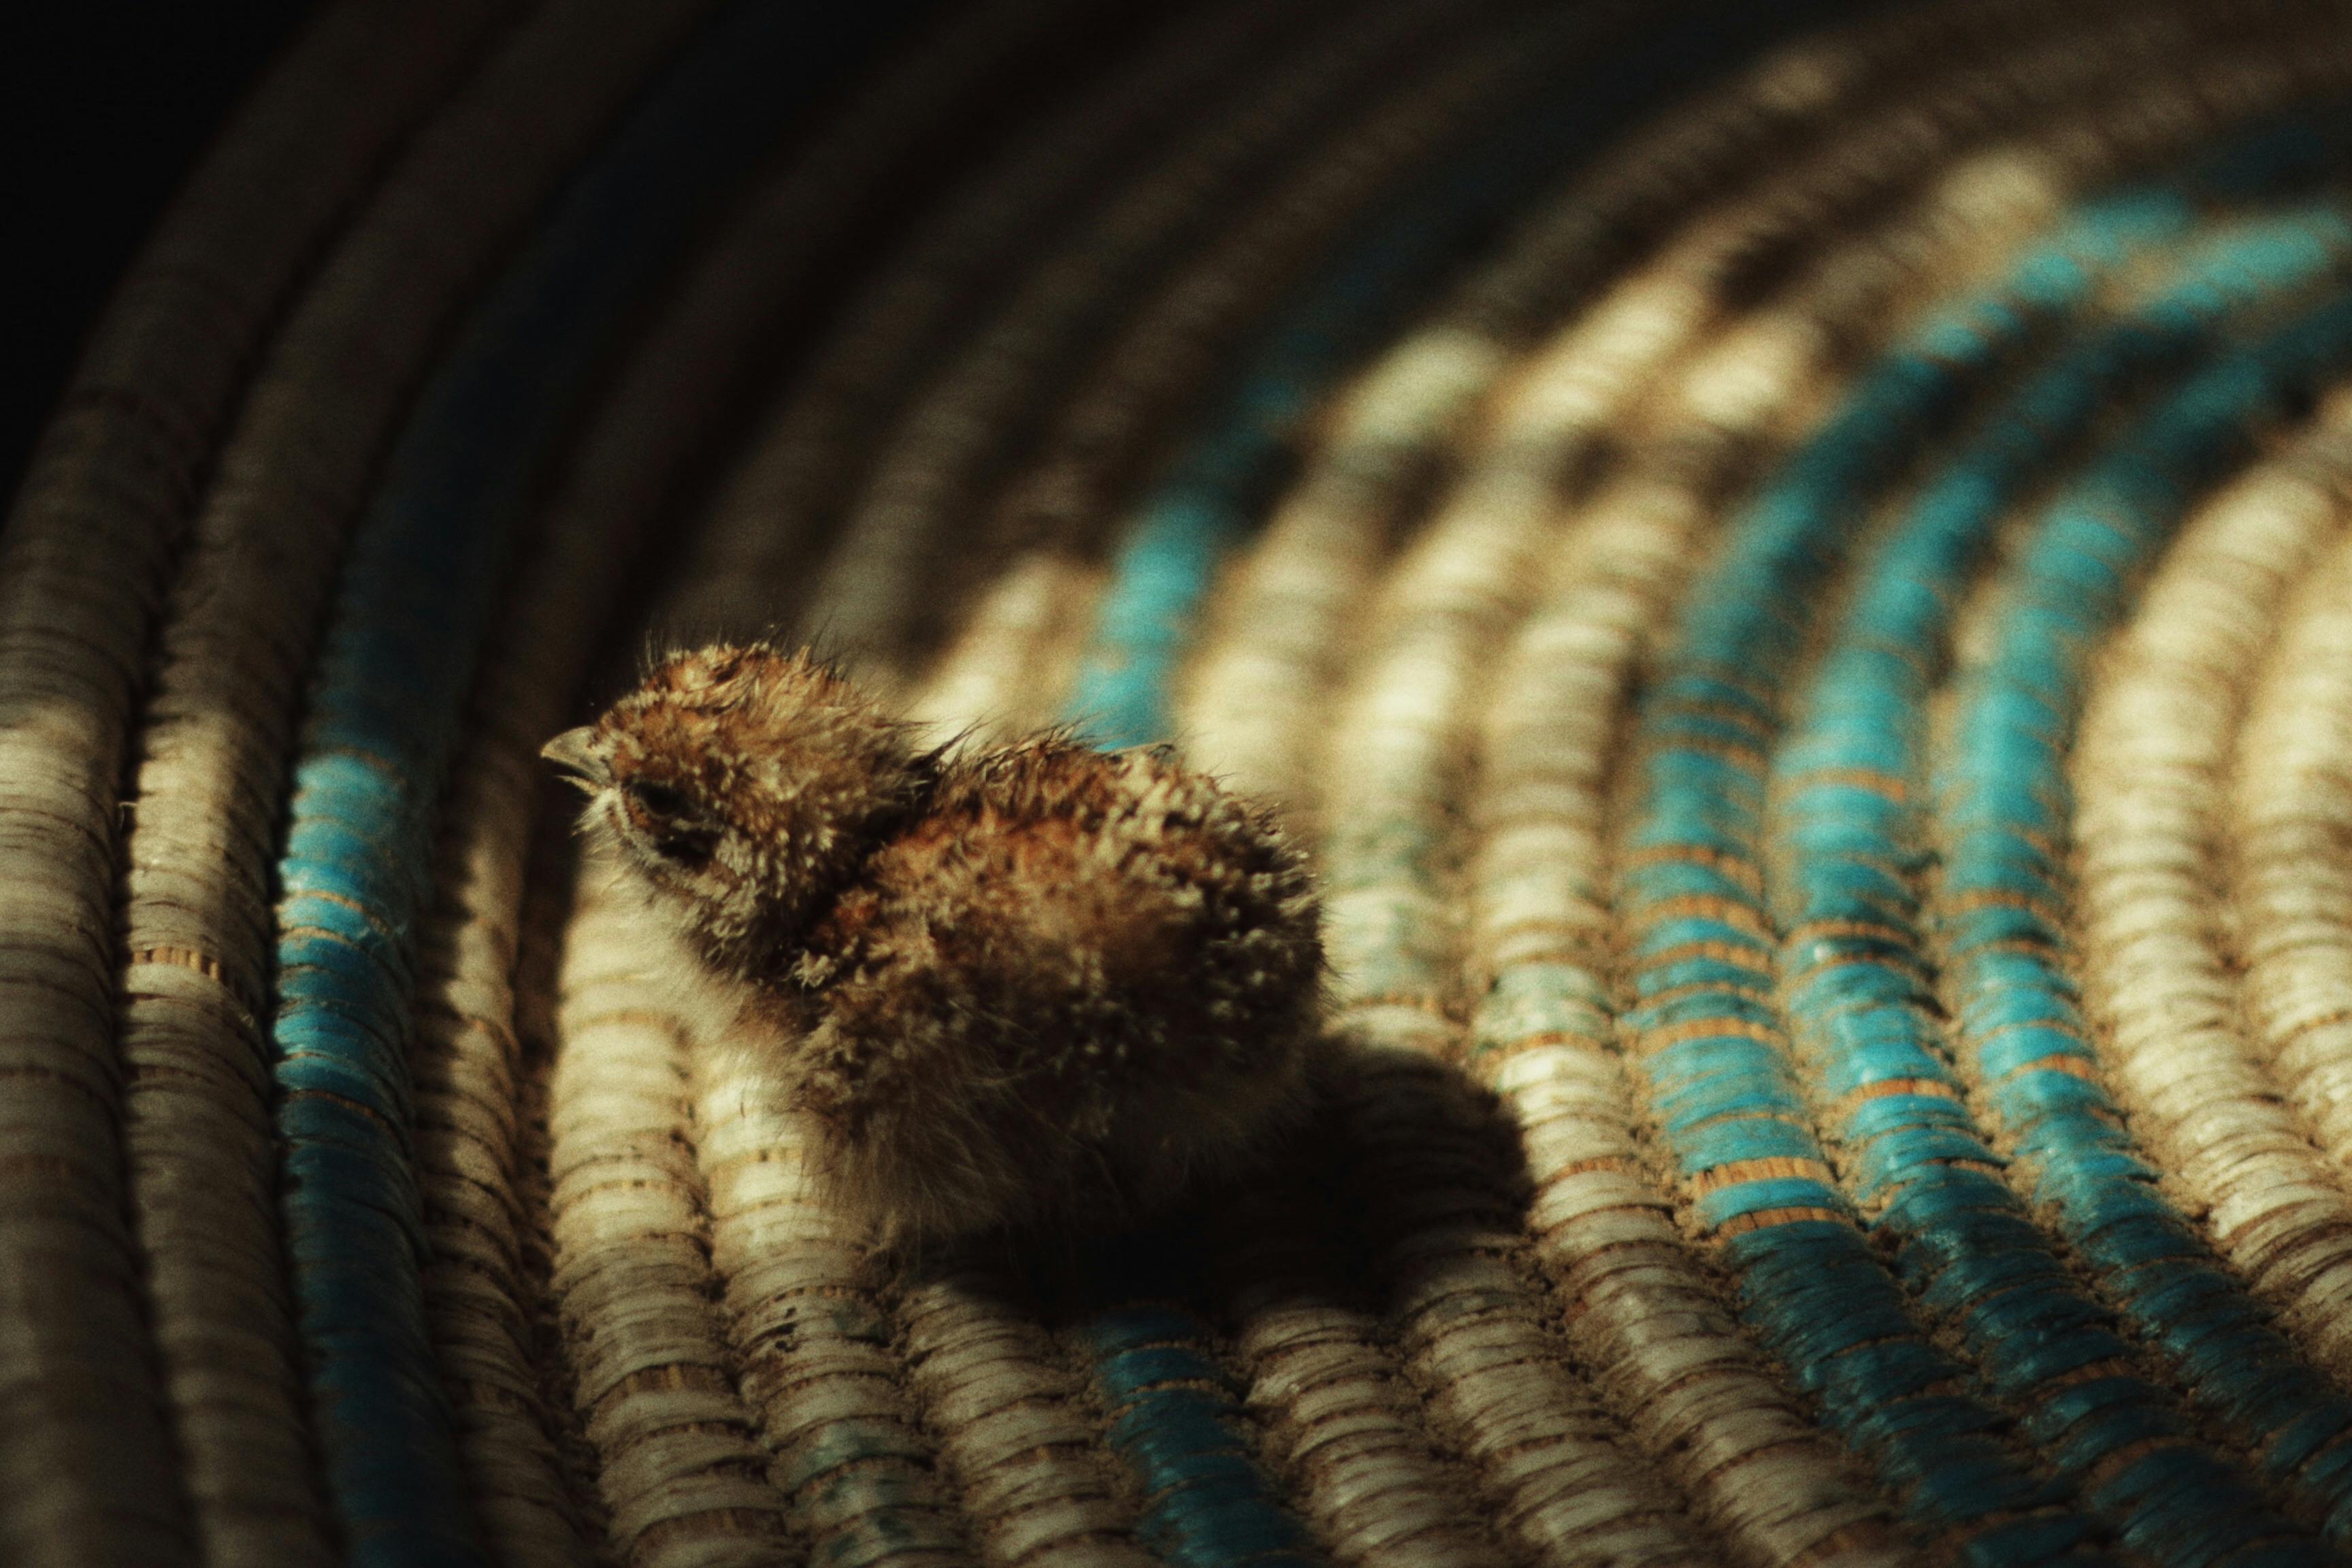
x=1019, y=989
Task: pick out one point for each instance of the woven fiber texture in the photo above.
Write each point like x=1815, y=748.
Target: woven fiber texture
x=1790, y=567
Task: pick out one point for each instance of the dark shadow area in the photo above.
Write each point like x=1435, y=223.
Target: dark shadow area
x=106, y=108
x=104, y=112
x=1399, y=1145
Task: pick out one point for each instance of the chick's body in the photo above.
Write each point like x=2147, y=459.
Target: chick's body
x=1024, y=987
x=1071, y=986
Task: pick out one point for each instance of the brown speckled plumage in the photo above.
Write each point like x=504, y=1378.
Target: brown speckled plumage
x=1027, y=988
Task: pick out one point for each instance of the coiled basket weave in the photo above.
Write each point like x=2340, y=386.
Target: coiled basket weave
x=1794, y=564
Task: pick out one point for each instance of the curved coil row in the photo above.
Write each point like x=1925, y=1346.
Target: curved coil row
x=1789, y=565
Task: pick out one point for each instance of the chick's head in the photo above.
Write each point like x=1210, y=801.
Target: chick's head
x=742, y=786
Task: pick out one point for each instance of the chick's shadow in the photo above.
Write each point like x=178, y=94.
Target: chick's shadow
x=1401, y=1162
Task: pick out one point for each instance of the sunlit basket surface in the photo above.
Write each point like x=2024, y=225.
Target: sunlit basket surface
x=1791, y=563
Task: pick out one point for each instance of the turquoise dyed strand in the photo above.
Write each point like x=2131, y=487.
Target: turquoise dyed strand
x=1730, y=1107
x=1172, y=1415
x=1216, y=491
x=412, y=610
x=2002, y=816
x=1859, y=991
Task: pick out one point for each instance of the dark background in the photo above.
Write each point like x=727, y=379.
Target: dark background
x=106, y=107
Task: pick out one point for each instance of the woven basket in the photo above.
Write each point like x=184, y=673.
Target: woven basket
x=1794, y=564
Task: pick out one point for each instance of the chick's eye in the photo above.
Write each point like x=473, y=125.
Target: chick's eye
x=665, y=814
x=655, y=799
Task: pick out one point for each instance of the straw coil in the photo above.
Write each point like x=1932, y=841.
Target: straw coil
x=89, y=544
x=1787, y=563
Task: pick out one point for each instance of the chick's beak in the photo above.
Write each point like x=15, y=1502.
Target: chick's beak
x=574, y=751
